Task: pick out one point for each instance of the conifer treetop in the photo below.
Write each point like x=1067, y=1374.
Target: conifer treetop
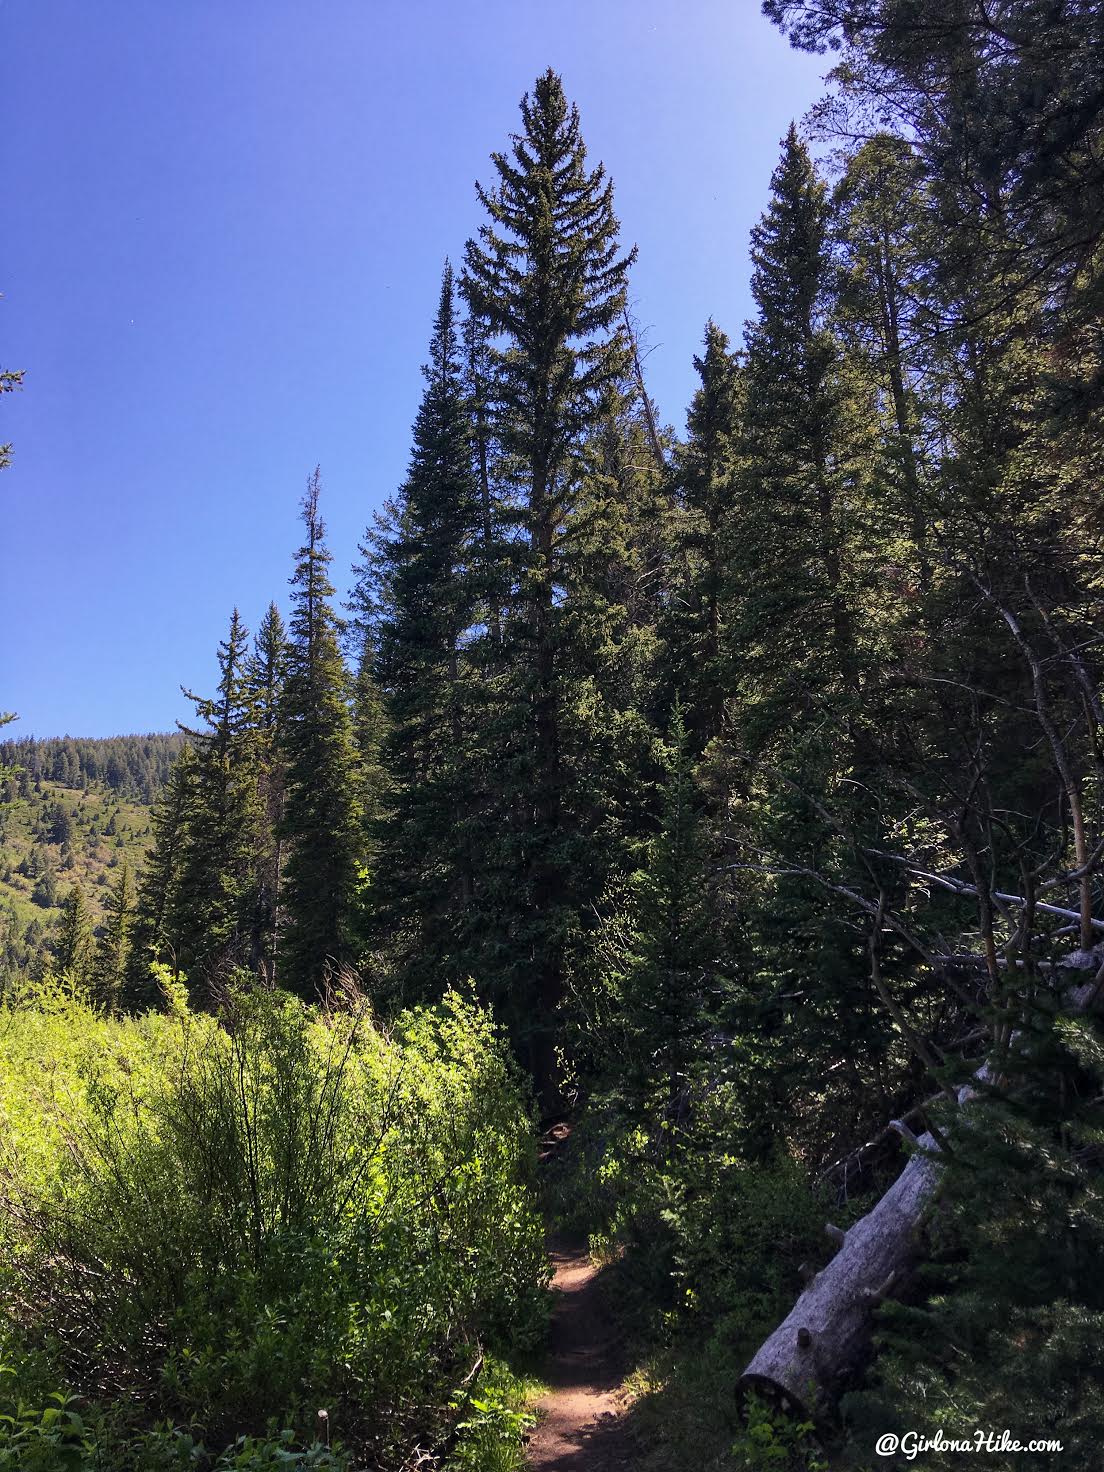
x=547, y=272
x=789, y=243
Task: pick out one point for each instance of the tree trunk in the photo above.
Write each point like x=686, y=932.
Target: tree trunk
x=826, y=1334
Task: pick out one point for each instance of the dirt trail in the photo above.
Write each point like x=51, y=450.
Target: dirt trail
x=580, y=1428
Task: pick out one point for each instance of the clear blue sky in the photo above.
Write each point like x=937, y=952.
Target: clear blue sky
x=224, y=228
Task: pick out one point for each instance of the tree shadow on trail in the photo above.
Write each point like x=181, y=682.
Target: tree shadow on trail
x=581, y=1428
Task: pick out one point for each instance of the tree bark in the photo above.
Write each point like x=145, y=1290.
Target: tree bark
x=825, y=1336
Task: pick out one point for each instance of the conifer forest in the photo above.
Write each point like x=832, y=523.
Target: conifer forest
x=614, y=978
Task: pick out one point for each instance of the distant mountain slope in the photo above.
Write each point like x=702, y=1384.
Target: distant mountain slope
x=132, y=766
x=73, y=811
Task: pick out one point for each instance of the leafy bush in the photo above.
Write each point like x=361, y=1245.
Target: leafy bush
x=495, y=1422
x=703, y=1237
x=232, y=1224
x=771, y=1441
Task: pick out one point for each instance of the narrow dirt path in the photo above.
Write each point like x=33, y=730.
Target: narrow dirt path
x=580, y=1429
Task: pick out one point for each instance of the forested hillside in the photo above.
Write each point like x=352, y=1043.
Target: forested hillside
x=74, y=830
x=134, y=767
x=746, y=777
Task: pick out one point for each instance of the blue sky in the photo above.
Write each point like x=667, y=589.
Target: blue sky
x=224, y=228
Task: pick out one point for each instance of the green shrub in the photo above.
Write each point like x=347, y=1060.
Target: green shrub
x=496, y=1419
x=771, y=1441
x=703, y=1239
x=232, y=1224
x=53, y=1439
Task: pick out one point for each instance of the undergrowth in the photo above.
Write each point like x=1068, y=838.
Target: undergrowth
x=701, y=1249
x=284, y=1238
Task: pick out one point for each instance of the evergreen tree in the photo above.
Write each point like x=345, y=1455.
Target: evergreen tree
x=61, y=825
x=547, y=278
x=369, y=732
x=113, y=952
x=794, y=797
x=6, y=718
x=73, y=949
x=705, y=474
x=45, y=889
x=265, y=670
x=155, y=930
x=610, y=660
x=669, y=991
x=1002, y=107
x=215, y=896
x=265, y=675
x=323, y=817
x=791, y=623
x=881, y=244
x=492, y=563
x=426, y=592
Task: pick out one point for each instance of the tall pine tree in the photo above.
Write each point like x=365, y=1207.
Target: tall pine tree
x=323, y=816
x=265, y=675
x=791, y=625
x=113, y=951
x=794, y=719
x=421, y=579
x=705, y=474
x=155, y=930
x=670, y=981
x=547, y=278
x=74, y=944
x=215, y=895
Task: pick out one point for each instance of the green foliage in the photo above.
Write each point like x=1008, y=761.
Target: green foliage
x=231, y=1226
x=74, y=946
x=789, y=622
x=322, y=812
x=774, y=1442
x=266, y=672
x=546, y=280
x=668, y=993
x=113, y=953
x=214, y=898
x=694, y=616
x=545, y=271
x=687, y=1411
x=158, y=913
x=704, y=1242
x=51, y=1440
x=496, y=1419
x=67, y=1435
x=38, y=872
x=1007, y=1331
x=417, y=596
x=863, y=597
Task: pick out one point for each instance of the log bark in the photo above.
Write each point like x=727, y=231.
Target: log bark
x=826, y=1334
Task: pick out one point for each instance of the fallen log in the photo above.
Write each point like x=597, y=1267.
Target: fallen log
x=824, y=1337
x=818, y=1343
